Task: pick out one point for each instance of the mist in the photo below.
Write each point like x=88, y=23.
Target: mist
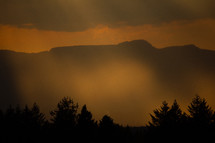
x=126, y=81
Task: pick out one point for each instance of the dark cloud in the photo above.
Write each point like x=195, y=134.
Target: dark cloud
x=78, y=15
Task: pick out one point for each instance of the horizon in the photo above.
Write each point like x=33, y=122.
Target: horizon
x=97, y=45
x=39, y=26
x=108, y=78
x=140, y=53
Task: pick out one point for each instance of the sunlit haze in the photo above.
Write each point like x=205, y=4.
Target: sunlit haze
x=119, y=57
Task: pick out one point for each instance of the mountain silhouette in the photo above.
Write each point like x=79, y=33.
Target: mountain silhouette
x=130, y=75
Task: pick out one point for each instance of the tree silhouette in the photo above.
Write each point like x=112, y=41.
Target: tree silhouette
x=168, y=124
x=65, y=115
x=22, y=125
x=11, y=119
x=86, y=125
x=176, y=117
x=108, y=130
x=201, y=114
x=85, y=120
x=32, y=121
x=167, y=116
x=32, y=117
x=64, y=120
x=160, y=117
x=106, y=122
x=37, y=116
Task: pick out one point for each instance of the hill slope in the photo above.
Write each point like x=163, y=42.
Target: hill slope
x=126, y=80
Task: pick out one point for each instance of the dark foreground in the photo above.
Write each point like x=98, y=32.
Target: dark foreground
x=168, y=124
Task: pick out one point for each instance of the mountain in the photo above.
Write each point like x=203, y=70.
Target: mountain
x=126, y=80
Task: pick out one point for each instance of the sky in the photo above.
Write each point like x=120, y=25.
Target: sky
x=39, y=25
x=116, y=83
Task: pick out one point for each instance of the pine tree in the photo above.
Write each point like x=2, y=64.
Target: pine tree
x=86, y=125
x=200, y=112
x=85, y=118
x=65, y=115
x=175, y=114
x=160, y=117
x=167, y=116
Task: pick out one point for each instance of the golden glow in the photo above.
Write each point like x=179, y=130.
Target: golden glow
x=199, y=32
x=127, y=90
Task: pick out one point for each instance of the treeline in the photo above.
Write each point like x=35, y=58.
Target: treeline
x=168, y=124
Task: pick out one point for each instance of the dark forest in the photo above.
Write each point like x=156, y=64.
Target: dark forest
x=168, y=124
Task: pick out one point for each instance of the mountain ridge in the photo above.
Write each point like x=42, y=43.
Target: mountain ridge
x=133, y=43
x=108, y=77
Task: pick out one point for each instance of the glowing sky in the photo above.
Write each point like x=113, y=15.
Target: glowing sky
x=116, y=83
x=38, y=25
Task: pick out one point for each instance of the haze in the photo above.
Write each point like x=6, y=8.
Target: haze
x=126, y=80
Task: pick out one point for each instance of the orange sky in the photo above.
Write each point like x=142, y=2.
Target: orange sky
x=39, y=25
x=199, y=32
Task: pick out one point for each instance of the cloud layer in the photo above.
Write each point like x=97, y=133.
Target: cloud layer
x=79, y=15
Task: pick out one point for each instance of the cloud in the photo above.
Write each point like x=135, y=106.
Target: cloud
x=79, y=15
x=198, y=32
